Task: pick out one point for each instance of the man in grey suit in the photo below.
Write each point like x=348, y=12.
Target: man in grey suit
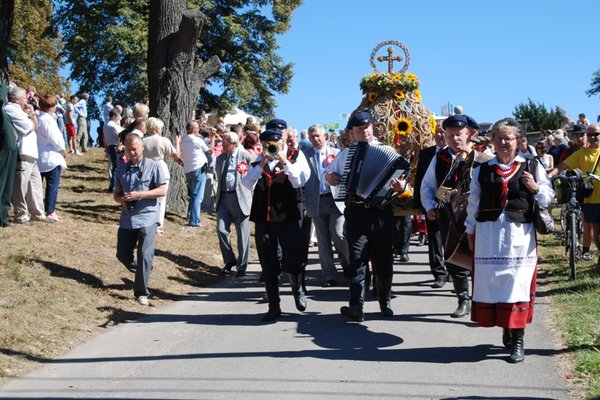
x=327, y=215
x=233, y=202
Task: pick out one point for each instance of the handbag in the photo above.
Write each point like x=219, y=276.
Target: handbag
x=542, y=219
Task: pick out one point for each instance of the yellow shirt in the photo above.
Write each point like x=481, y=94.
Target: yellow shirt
x=585, y=159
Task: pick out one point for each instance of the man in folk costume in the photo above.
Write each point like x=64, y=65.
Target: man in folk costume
x=450, y=169
x=277, y=177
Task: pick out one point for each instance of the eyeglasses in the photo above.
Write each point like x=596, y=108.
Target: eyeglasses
x=505, y=140
x=593, y=134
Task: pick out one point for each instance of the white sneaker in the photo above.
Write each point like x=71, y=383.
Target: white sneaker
x=143, y=300
x=586, y=256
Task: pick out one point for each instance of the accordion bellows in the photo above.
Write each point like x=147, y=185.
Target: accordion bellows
x=368, y=173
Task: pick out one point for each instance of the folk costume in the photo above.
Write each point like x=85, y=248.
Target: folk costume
x=500, y=215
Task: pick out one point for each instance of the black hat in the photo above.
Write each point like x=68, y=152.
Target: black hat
x=361, y=118
x=270, y=134
x=578, y=130
x=276, y=124
x=460, y=121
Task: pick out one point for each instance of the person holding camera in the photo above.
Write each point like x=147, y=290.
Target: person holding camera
x=138, y=185
x=276, y=178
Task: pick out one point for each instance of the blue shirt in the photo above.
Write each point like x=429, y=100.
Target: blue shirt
x=147, y=175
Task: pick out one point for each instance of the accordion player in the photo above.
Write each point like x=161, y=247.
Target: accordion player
x=368, y=174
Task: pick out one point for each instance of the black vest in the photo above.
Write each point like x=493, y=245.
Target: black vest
x=519, y=207
x=274, y=198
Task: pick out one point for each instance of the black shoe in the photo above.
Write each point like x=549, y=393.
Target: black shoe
x=517, y=353
x=439, y=283
x=272, y=314
x=404, y=258
x=507, y=338
x=227, y=268
x=241, y=273
x=386, y=310
x=354, y=313
x=464, y=307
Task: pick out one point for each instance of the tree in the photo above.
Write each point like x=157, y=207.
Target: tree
x=105, y=41
x=538, y=116
x=34, y=48
x=595, y=85
x=7, y=9
x=176, y=74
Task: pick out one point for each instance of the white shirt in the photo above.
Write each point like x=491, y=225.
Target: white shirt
x=297, y=173
x=111, y=133
x=26, y=136
x=193, y=152
x=49, y=142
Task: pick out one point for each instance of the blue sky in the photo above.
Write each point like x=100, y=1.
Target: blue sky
x=487, y=56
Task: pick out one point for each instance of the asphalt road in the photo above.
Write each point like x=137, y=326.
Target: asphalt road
x=215, y=346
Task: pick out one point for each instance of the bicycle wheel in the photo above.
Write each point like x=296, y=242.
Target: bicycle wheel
x=573, y=243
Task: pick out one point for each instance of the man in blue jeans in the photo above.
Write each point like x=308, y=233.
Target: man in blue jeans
x=194, y=154
x=138, y=185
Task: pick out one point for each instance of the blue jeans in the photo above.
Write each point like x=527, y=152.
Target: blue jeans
x=196, y=180
x=112, y=153
x=52, y=179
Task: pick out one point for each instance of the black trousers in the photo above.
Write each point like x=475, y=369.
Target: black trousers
x=278, y=245
x=403, y=227
x=370, y=236
x=435, y=246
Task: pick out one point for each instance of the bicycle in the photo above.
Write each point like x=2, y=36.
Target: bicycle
x=567, y=186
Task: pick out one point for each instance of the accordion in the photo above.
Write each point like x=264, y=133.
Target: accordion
x=368, y=174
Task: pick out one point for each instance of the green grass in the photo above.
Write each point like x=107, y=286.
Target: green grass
x=576, y=304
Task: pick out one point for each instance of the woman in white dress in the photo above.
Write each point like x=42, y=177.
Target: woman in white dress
x=546, y=159
x=157, y=147
x=503, y=238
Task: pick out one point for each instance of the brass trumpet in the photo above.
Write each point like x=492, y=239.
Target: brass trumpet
x=272, y=149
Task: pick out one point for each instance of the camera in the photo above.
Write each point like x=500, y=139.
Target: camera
x=131, y=205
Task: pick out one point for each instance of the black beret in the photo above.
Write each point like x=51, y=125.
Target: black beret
x=361, y=118
x=460, y=121
x=276, y=124
x=270, y=134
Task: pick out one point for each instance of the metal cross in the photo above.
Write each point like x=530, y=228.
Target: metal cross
x=390, y=59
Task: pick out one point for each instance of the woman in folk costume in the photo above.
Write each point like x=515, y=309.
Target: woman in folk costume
x=502, y=236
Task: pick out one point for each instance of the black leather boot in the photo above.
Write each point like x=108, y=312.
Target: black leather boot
x=384, y=290
x=461, y=286
x=517, y=352
x=298, y=291
x=354, y=311
x=274, y=312
x=507, y=338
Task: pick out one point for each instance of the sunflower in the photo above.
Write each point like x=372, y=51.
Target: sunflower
x=397, y=77
x=411, y=76
x=433, y=124
x=418, y=94
x=403, y=127
x=399, y=94
x=372, y=96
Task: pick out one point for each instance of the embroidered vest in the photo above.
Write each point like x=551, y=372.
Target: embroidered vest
x=519, y=206
x=274, y=199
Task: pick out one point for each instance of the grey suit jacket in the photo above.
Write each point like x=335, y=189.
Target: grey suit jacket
x=312, y=187
x=244, y=194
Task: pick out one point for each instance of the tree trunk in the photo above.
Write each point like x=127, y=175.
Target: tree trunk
x=175, y=76
x=7, y=12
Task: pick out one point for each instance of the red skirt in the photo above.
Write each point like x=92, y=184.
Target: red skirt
x=506, y=315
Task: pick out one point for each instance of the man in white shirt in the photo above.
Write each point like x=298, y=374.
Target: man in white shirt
x=112, y=129
x=28, y=197
x=194, y=152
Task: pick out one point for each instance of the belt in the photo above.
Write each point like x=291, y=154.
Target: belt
x=228, y=191
x=326, y=195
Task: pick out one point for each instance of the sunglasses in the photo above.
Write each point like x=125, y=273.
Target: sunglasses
x=593, y=134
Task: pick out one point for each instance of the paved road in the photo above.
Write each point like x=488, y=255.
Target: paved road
x=214, y=346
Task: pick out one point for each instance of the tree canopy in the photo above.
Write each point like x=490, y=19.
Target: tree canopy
x=538, y=116
x=595, y=85
x=34, y=48
x=105, y=41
